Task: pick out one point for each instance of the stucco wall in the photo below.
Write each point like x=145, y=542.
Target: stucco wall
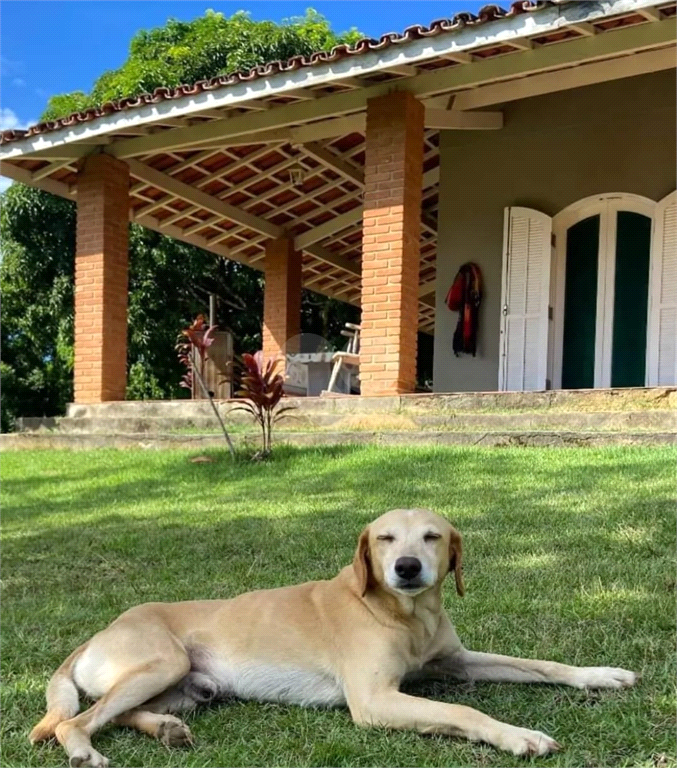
x=554, y=150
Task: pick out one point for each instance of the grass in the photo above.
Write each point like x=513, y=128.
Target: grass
x=569, y=555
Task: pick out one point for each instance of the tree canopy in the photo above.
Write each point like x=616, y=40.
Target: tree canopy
x=211, y=45
x=169, y=281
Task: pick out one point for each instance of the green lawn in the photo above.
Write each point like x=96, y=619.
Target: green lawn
x=569, y=555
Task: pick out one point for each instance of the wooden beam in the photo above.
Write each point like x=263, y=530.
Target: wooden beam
x=650, y=14
x=431, y=177
x=522, y=43
x=207, y=202
x=327, y=129
x=461, y=57
x=585, y=28
x=404, y=70
x=575, y=77
x=335, y=259
x=24, y=176
x=322, y=231
x=65, y=152
x=444, y=119
x=42, y=173
x=327, y=158
x=176, y=232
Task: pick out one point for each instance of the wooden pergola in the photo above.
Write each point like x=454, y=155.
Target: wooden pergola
x=322, y=172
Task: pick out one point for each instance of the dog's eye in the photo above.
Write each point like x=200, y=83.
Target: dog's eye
x=386, y=537
x=431, y=536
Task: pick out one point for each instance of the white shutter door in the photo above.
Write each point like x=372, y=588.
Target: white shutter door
x=526, y=289
x=662, y=326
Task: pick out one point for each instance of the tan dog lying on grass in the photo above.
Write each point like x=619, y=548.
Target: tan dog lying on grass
x=349, y=641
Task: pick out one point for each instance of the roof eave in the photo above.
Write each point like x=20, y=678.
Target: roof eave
x=405, y=53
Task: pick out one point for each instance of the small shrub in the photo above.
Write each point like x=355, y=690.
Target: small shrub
x=262, y=390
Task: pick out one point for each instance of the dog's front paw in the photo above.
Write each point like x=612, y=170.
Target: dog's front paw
x=521, y=741
x=605, y=677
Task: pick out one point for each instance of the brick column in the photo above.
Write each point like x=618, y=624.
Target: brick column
x=393, y=177
x=101, y=280
x=281, y=299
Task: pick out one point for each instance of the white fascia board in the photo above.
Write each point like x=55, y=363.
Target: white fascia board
x=465, y=38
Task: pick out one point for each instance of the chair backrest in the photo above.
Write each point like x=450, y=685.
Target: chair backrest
x=353, y=334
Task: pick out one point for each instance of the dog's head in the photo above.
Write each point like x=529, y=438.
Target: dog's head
x=408, y=551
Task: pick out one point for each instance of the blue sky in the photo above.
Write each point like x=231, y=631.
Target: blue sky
x=54, y=46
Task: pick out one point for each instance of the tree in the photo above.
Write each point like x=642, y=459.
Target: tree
x=211, y=45
x=169, y=281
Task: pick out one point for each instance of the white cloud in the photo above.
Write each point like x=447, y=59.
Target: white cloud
x=9, y=121
x=11, y=68
x=18, y=82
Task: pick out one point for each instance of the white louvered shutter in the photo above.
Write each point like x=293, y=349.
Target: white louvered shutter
x=526, y=289
x=662, y=325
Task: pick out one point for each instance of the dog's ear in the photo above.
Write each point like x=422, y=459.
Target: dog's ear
x=456, y=560
x=362, y=563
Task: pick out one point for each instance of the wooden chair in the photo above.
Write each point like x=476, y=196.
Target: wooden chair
x=349, y=358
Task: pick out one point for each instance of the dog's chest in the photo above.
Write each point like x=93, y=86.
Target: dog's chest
x=265, y=681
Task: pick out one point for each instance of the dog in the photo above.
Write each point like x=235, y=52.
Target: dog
x=351, y=641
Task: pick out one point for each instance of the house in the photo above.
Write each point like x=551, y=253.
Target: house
x=537, y=142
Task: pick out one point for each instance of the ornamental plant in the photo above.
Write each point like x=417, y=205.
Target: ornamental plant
x=197, y=338
x=262, y=389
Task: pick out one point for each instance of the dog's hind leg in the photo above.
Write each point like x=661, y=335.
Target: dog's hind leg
x=136, y=686
x=167, y=728
x=154, y=718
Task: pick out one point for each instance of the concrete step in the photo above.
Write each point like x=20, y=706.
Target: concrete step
x=73, y=441
x=649, y=420
x=591, y=400
x=657, y=420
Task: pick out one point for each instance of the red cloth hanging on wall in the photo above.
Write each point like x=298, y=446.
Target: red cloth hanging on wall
x=464, y=297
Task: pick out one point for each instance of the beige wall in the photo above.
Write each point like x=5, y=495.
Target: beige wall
x=554, y=150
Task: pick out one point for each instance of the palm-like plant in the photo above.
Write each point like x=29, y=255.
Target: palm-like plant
x=198, y=338
x=262, y=389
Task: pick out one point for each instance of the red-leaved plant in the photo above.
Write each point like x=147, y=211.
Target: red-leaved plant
x=262, y=389
x=198, y=337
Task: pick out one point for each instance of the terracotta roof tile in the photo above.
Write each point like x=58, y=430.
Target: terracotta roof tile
x=486, y=14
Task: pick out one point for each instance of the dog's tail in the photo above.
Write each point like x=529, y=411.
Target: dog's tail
x=62, y=699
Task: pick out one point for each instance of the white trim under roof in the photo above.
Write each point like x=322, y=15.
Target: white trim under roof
x=450, y=45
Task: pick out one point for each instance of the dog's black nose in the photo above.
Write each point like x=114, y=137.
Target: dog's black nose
x=407, y=567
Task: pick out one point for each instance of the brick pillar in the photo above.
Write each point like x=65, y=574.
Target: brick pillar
x=101, y=280
x=281, y=299
x=393, y=177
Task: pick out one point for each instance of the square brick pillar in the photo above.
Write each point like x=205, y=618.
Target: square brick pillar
x=281, y=299
x=101, y=280
x=393, y=178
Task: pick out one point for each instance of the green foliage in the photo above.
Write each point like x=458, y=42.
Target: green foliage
x=210, y=45
x=37, y=235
